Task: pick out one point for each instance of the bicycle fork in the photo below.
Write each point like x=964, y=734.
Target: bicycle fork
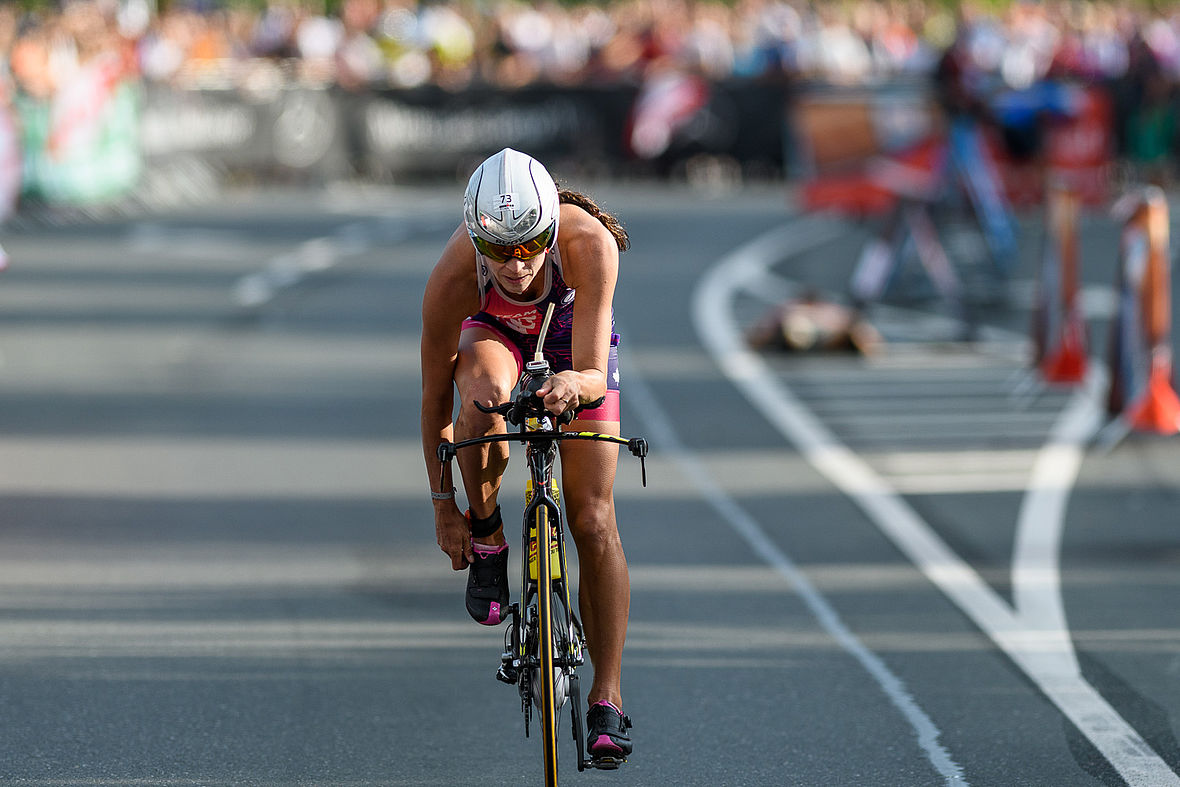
x=521, y=659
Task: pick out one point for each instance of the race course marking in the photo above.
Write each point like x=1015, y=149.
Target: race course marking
x=1033, y=634
x=666, y=439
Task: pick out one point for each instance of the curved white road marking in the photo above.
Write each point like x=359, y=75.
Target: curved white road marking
x=1034, y=635
x=665, y=438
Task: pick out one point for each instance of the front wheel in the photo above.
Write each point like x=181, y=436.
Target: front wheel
x=547, y=674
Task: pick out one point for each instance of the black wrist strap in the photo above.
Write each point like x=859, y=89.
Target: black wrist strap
x=482, y=528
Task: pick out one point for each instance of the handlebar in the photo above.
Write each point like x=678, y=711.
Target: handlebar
x=528, y=405
x=636, y=445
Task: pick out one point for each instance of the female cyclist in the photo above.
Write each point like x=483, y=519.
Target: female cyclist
x=481, y=316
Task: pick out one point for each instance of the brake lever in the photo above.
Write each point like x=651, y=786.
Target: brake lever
x=638, y=447
x=497, y=409
x=446, y=452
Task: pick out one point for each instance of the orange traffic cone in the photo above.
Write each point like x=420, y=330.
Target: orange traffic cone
x=1059, y=328
x=1144, y=398
x=1158, y=409
x=1066, y=364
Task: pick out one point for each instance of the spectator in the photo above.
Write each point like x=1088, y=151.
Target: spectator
x=359, y=61
x=511, y=44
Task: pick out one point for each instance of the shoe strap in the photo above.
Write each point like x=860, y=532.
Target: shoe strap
x=482, y=528
x=610, y=705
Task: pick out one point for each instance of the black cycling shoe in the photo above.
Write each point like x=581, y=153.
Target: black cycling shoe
x=608, y=741
x=487, y=586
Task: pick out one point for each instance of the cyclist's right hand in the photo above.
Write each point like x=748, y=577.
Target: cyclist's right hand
x=453, y=533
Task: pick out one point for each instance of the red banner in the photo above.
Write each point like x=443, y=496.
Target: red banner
x=1078, y=153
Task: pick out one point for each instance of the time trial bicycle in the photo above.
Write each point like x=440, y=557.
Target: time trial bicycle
x=545, y=674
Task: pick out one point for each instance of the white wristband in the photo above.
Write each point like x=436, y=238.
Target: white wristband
x=443, y=495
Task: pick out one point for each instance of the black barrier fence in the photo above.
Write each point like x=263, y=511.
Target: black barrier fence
x=292, y=129
x=314, y=135
x=153, y=141
x=432, y=132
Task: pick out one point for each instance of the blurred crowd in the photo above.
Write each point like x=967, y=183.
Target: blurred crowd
x=70, y=55
x=506, y=43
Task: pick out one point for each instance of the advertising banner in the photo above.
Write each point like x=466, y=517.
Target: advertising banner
x=433, y=132
x=82, y=145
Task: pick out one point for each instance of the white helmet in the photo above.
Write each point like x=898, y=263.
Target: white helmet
x=511, y=206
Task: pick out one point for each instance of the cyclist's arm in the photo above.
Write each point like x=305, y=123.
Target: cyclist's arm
x=450, y=296
x=591, y=267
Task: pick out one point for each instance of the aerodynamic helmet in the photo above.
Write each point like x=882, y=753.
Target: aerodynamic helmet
x=510, y=207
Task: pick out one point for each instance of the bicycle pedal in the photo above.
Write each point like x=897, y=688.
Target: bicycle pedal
x=509, y=675
x=606, y=763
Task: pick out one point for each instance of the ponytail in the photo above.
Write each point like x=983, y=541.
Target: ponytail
x=566, y=196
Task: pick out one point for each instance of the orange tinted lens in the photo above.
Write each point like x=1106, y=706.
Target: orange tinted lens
x=521, y=251
x=531, y=248
x=493, y=251
x=542, y=241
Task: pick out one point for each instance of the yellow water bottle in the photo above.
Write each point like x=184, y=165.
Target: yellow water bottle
x=554, y=553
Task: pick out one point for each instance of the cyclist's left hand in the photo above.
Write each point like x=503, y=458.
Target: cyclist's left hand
x=560, y=393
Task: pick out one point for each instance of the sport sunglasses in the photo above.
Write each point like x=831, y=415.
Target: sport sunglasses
x=521, y=251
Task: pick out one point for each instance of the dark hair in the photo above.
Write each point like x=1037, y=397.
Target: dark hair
x=590, y=206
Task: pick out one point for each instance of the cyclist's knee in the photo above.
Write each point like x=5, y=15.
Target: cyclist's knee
x=595, y=529
x=486, y=390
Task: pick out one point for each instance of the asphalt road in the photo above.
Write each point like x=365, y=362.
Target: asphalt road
x=217, y=564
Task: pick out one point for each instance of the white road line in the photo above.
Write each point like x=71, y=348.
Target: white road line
x=1036, y=578
x=902, y=401
x=665, y=438
x=980, y=421
x=1034, y=635
x=948, y=483
x=283, y=270
x=289, y=268
x=955, y=471
x=188, y=243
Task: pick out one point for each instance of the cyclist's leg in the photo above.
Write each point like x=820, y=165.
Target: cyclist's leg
x=487, y=370
x=604, y=594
